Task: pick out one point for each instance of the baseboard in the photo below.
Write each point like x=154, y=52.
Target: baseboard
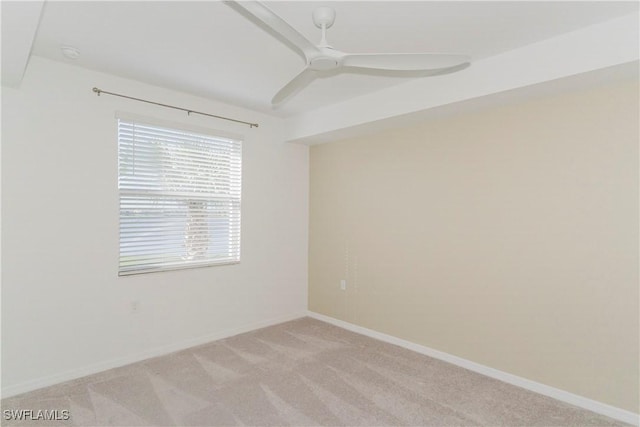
x=561, y=395
x=73, y=374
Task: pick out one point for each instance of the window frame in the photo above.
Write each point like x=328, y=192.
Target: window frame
x=182, y=127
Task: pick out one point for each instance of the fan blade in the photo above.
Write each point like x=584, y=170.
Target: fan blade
x=294, y=86
x=404, y=61
x=405, y=73
x=261, y=14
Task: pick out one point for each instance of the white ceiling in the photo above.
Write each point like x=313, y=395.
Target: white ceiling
x=208, y=49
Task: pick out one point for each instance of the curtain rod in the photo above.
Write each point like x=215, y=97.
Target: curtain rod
x=99, y=91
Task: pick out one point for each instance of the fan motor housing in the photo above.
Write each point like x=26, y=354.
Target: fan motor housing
x=323, y=63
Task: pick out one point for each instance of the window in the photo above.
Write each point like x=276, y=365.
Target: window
x=179, y=198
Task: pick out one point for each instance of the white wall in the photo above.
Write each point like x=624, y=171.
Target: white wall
x=65, y=311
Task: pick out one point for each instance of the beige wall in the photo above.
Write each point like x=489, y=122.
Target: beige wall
x=508, y=237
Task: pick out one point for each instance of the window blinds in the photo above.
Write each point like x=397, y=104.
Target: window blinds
x=179, y=198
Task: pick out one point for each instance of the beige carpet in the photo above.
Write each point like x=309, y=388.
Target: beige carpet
x=300, y=373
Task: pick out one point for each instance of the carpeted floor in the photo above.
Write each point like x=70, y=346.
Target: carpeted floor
x=300, y=373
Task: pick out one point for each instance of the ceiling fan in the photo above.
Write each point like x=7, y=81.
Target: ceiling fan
x=324, y=59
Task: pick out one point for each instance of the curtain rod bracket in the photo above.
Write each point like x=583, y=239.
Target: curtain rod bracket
x=251, y=125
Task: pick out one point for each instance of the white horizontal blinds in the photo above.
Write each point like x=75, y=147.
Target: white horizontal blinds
x=179, y=198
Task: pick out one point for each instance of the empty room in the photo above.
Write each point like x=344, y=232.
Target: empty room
x=303, y=213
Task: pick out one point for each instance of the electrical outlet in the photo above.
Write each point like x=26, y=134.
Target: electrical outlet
x=135, y=306
x=343, y=285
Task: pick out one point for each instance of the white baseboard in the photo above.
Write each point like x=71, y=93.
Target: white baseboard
x=49, y=380
x=561, y=395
